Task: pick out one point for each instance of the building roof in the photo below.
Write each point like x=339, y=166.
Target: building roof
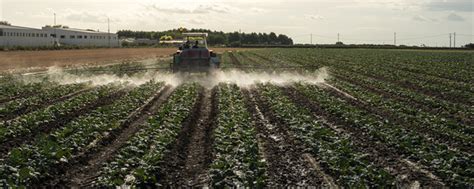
x=78, y=30
x=18, y=28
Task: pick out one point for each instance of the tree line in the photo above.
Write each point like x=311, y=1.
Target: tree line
x=214, y=38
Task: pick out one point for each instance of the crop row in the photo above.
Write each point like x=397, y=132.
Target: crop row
x=27, y=123
x=336, y=153
x=454, y=66
x=15, y=88
x=412, y=118
x=417, y=83
x=237, y=161
x=438, y=107
x=368, y=65
x=460, y=113
x=29, y=164
x=138, y=160
x=21, y=105
x=452, y=166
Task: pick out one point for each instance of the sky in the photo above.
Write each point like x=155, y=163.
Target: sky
x=415, y=22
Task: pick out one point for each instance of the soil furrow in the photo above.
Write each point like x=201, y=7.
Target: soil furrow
x=234, y=60
x=455, y=144
x=377, y=151
x=45, y=128
x=87, y=168
x=287, y=164
x=188, y=162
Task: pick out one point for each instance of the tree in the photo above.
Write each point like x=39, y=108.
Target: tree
x=5, y=23
x=284, y=40
x=469, y=46
x=254, y=38
x=233, y=37
x=263, y=38
x=273, y=39
x=214, y=38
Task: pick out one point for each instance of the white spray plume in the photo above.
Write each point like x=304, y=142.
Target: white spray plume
x=241, y=78
x=56, y=74
x=246, y=79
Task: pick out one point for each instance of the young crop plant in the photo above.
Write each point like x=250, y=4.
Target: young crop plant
x=458, y=112
x=27, y=123
x=454, y=167
x=30, y=164
x=138, y=161
x=409, y=116
x=238, y=162
x=15, y=88
x=43, y=96
x=335, y=152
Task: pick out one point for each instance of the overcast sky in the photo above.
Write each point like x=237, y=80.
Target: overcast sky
x=416, y=22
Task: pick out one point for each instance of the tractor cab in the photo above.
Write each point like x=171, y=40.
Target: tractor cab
x=193, y=55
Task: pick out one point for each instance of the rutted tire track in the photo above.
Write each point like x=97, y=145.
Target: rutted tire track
x=378, y=152
x=288, y=165
x=188, y=162
x=85, y=170
x=59, y=121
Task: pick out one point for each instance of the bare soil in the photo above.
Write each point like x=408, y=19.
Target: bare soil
x=188, y=162
x=287, y=163
x=34, y=60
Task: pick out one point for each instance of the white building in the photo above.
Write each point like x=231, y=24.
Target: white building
x=16, y=36
x=79, y=37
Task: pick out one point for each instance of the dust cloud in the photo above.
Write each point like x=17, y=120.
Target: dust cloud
x=241, y=78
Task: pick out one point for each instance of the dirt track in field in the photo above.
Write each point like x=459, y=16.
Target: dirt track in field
x=187, y=163
x=67, y=58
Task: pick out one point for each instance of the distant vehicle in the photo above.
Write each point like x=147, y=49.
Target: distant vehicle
x=193, y=55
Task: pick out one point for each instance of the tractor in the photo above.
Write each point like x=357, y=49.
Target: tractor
x=193, y=56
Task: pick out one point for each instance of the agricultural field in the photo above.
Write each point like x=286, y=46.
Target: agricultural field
x=338, y=118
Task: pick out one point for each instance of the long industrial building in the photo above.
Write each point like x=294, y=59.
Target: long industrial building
x=16, y=36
